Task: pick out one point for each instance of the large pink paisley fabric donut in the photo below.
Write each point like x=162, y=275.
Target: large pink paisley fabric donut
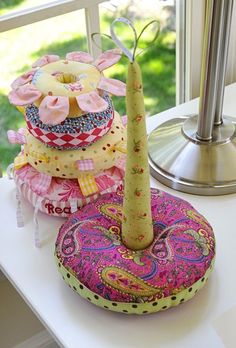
x=95, y=263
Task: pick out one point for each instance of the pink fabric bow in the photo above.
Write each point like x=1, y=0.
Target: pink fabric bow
x=48, y=58
x=24, y=95
x=23, y=79
x=107, y=59
x=79, y=56
x=53, y=110
x=91, y=102
x=112, y=86
x=16, y=137
x=38, y=182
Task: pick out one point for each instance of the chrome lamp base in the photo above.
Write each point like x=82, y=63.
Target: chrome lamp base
x=181, y=161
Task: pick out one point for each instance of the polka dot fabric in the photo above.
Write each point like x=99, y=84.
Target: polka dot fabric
x=105, y=153
x=74, y=146
x=94, y=262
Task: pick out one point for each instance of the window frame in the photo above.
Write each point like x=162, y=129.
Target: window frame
x=56, y=8
x=190, y=18
x=231, y=63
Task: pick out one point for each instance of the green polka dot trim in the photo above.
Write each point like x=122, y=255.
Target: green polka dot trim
x=133, y=308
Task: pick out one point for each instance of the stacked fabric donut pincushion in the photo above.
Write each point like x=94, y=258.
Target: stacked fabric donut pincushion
x=136, y=250
x=74, y=144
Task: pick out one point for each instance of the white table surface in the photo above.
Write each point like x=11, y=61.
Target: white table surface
x=76, y=323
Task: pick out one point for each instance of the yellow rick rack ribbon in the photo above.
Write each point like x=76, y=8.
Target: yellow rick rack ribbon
x=38, y=156
x=120, y=146
x=21, y=109
x=87, y=184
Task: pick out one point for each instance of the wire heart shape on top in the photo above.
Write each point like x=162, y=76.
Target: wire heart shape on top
x=131, y=54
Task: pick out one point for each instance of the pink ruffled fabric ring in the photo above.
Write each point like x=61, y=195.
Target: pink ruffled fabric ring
x=61, y=197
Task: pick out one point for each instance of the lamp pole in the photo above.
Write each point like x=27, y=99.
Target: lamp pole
x=214, y=58
x=197, y=153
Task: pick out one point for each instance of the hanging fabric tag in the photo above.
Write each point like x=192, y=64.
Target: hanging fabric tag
x=37, y=241
x=85, y=165
x=73, y=205
x=16, y=137
x=19, y=214
x=121, y=163
x=20, y=161
x=124, y=120
x=87, y=184
x=10, y=171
